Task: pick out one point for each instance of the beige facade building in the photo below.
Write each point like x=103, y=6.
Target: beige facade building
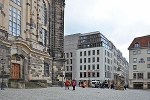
x=31, y=40
x=139, y=63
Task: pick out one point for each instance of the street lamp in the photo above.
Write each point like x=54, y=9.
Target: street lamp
x=62, y=78
x=2, y=84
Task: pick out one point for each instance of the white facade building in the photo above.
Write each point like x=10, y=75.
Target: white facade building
x=94, y=57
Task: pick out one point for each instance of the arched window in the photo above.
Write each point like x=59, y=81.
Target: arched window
x=136, y=44
x=44, y=13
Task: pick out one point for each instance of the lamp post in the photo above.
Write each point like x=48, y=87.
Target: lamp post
x=62, y=78
x=2, y=84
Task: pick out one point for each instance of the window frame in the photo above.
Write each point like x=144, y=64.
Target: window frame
x=134, y=67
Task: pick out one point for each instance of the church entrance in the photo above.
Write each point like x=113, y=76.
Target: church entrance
x=15, y=71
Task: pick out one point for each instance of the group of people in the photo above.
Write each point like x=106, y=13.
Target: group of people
x=105, y=85
x=67, y=84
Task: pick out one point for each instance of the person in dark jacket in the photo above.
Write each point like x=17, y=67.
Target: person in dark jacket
x=73, y=84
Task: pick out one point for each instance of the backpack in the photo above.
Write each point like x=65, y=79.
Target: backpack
x=74, y=83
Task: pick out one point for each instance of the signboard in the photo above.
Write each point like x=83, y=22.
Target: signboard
x=141, y=60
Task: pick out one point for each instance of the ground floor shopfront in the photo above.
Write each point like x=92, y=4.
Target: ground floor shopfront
x=140, y=85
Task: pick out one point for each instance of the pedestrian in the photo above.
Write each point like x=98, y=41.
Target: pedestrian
x=73, y=84
x=67, y=84
x=125, y=87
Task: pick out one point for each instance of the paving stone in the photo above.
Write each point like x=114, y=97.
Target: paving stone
x=58, y=93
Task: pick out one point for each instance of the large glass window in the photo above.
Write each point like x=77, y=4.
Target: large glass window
x=14, y=21
x=44, y=13
x=18, y=2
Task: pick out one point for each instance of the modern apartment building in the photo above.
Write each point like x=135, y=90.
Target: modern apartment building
x=96, y=58
x=139, y=62
x=31, y=40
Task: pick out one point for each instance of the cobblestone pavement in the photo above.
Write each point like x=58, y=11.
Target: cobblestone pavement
x=58, y=93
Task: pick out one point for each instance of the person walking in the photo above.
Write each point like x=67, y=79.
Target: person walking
x=125, y=87
x=67, y=84
x=73, y=84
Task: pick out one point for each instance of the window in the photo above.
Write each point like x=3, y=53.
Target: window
x=93, y=59
x=97, y=66
x=80, y=67
x=134, y=75
x=148, y=51
x=84, y=53
x=89, y=67
x=134, y=60
x=134, y=67
x=84, y=60
x=97, y=52
x=44, y=13
x=89, y=60
x=105, y=59
x=105, y=67
x=70, y=61
x=93, y=74
x=18, y=2
x=80, y=60
x=80, y=53
x=67, y=68
x=134, y=52
x=84, y=74
x=84, y=67
x=71, y=68
x=97, y=59
x=137, y=45
x=89, y=74
x=89, y=53
x=67, y=55
x=148, y=75
x=67, y=62
x=148, y=58
x=14, y=21
x=43, y=36
x=46, y=69
x=71, y=54
x=148, y=65
x=93, y=67
x=93, y=52
x=97, y=74
x=140, y=75
x=80, y=74
x=139, y=51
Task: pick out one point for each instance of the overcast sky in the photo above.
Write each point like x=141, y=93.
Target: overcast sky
x=118, y=20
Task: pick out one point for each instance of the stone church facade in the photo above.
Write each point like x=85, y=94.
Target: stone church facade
x=31, y=41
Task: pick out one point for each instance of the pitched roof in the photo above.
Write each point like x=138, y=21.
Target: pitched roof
x=143, y=41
